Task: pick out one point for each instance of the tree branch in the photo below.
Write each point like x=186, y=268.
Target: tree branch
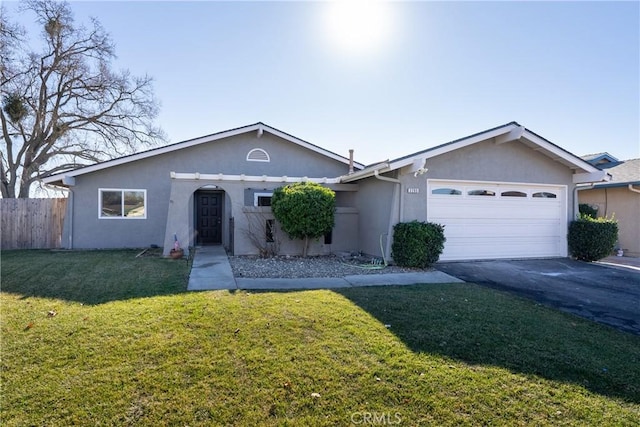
x=77, y=110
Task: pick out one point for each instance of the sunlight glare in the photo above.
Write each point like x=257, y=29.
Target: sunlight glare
x=359, y=27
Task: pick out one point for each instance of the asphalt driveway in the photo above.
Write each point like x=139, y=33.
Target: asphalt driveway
x=609, y=295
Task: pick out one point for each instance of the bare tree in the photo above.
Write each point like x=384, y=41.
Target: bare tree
x=65, y=106
x=262, y=232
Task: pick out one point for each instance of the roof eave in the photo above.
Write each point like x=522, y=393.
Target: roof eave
x=257, y=127
x=591, y=177
x=583, y=170
x=615, y=184
x=422, y=156
x=62, y=179
x=453, y=145
x=559, y=154
x=367, y=172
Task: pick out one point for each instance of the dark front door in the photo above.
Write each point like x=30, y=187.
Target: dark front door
x=209, y=218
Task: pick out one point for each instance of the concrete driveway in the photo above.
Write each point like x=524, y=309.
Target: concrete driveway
x=609, y=295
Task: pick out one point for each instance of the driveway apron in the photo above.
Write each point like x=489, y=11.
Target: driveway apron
x=609, y=295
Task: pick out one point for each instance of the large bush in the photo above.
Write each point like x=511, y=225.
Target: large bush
x=417, y=244
x=305, y=210
x=592, y=239
x=588, y=210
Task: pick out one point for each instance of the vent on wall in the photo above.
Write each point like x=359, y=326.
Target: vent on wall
x=258, y=155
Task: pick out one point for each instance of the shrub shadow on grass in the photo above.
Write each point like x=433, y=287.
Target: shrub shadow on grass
x=480, y=326
x=91, y=277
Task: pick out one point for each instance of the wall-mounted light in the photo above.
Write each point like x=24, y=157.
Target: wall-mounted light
x=420, y=171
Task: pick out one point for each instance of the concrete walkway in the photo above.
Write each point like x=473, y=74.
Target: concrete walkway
x=621, y=261
x=211, y=271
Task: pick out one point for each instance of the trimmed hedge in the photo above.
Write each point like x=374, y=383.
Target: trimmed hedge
x=592, y=239
x=417, y=244
x=305, y=210
x=588, y=210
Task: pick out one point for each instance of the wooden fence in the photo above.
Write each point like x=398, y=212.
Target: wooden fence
x=31, y=223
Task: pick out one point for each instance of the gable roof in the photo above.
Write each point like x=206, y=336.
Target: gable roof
x=623, y=173
x=583, y=170
x=600, y=159
x=259, y=128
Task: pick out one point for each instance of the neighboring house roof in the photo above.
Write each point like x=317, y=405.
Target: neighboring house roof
x=623, y=172
x=583, y=171
x=256, y=127
x=600, y=159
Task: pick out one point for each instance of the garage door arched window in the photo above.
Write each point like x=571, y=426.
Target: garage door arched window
x=481, y=193
x=446, y=191
x=513, y=194
x=544, y=195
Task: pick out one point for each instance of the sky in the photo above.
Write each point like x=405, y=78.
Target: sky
x=386, y=78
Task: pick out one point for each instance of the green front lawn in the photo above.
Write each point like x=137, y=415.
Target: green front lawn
x=104, y=338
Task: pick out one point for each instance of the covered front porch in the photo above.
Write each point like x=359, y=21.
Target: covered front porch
x=221, y=209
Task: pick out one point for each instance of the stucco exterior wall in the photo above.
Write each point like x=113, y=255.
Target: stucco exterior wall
x=624, y=206
x=364, y=213
x=344, y=236
x=84, y=228
x=378, y=201
x=90, y=231
x=248, y=220
x=486, y=161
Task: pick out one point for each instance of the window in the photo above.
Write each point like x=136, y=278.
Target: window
x=544, y=195
x=481, y=193
x=118, y=203
x=258, y=155
x=269, y=228
x=513, y=194
x=328, y=237
x=262, y=199
x=447, y=191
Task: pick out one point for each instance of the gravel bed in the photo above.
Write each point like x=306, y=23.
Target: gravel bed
x=294, y=267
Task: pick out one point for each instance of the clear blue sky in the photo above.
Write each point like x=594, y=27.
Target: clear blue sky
x=415, y=75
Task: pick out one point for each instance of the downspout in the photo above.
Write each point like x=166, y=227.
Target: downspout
x=385, y=178
x=395, y=181
x=70, y=209
x=69, y=182
x=631, y=188
x=397, y=190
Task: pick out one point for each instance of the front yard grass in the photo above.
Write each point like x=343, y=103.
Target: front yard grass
x=104, y=338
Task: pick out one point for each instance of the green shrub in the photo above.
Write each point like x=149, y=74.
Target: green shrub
x=305, y=210
x=417, y=244
x=588, y=210
x=592, y=239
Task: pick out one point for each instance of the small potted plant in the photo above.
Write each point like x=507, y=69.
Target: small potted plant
x=177, y=252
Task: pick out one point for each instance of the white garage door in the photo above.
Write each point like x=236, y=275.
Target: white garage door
x=487, y=220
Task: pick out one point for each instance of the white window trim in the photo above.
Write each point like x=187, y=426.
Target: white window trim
x=100, y=190
x=249, y=159
x=263, y=194
x=502, y=186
